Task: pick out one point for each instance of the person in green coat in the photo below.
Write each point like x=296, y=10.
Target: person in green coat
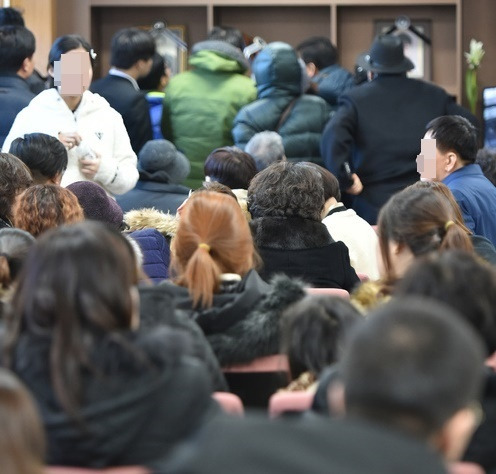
x=201, y=103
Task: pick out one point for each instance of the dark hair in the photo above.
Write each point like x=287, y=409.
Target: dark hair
x=16, y=44
x=312, y=332
x=266, y=148
x=43, y=154
x=14, y=247
x=318, y=50
x=130, y=45
x=75, y=288
x=455, y=133
x=330, y=182
x=462, y=282
x=66, y=43
x=44, y=206
x=444, y=191
x=151, y=82
x=22, y=439
x=419, y=219
x=216, y=187
x=286, y=189
x=412, y=364
x=11, y=16
x=486, y=159
x=231, y=166
x=228, y=34
x=213, y=237
x=15, y=177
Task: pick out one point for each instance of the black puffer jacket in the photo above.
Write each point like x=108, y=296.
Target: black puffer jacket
x=279, y=81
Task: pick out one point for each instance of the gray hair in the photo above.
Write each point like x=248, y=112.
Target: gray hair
x=265, y=148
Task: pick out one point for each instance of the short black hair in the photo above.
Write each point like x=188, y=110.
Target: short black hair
x=130, y=45
x=461, y=281
x=151, y=81
x=11, y=16
x=228, y=34
x=286, y=189
x=312, y=332
x=44, y=155
x=455, y=133
x=412, y=365
x=231, y=166
x=16, y=44
x=486, y=158
x=318, y=50
x=66, y=43
x=330, y=182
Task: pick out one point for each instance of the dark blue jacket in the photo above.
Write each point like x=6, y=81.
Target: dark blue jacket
x=156, y=253
x=331, y=82
x=476, y=196
x=14, y=96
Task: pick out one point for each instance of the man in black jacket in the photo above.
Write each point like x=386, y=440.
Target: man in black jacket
x=372, y=141
x=17, y=45
x=132, y=50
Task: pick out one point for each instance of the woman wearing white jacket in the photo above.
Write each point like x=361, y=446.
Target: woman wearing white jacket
x=93, y=133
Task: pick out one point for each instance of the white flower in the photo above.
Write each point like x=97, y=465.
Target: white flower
x=475, y=55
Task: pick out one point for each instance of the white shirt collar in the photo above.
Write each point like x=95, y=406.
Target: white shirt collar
x=116, y=72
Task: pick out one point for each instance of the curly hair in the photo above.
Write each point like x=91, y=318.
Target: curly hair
x=286, y=189
x=45, y=206
x=15, y=177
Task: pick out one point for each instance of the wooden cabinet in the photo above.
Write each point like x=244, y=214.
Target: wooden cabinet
x=349, y=23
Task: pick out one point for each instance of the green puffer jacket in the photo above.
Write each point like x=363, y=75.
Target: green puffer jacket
x=279, y=80
x=200, y=104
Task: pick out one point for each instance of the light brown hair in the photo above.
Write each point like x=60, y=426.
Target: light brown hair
x=217, y=222
x=45, y=206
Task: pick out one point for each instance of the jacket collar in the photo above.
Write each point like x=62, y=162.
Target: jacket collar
x=468, y=170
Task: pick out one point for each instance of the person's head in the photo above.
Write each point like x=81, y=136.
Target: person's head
x=44, y=206
x=287, y=189
x=313, y=330
x=460, y=281
x=318, y=53
x=266, y=148
x=414, y=223
x=486, y=159
x=97, y=204
x=17, y=45
x=22, y=439
x=159, y=160
x=212, y=186
x=157, y=78
x=456, y=143
x=11, y=16
x=15, y=177
x=44, y=155
x=213, y=238
x=14, y=247
x=443, y=190
x=231, y=166
x=70, y=63
x=77, y=285
x=332, y=193
x=415, y=366
x=230, y=35
x=386, y=56
x=132, y=48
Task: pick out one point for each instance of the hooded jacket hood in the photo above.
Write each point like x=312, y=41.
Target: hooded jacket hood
x=215, y=55
x=277, y=71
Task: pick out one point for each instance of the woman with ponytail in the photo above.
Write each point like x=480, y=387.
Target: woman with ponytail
x=414, y=223
x=215, y=283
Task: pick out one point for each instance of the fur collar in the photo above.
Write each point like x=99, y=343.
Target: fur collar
x=289, y=233
x=139, y=219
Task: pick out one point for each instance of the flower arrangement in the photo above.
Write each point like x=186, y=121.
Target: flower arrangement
x=474, y=58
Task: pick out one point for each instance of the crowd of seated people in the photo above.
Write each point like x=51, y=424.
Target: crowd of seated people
x=143, y=276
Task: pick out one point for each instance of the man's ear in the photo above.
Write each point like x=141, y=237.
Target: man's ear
x=311, y=69
x=452, y=439
x=451, y=161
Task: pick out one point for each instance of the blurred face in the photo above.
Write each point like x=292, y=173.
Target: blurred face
x=73, y=73
x=426, y=160
x=443, y=162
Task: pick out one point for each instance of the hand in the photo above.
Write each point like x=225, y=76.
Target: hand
x=90, y=166
x=356, y=187
x=69, y=139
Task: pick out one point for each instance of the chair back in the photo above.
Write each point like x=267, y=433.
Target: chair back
x=328, y=291
x=230, y=403
x=283, y=402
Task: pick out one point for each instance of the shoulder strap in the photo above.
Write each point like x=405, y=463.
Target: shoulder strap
x=285, y=114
